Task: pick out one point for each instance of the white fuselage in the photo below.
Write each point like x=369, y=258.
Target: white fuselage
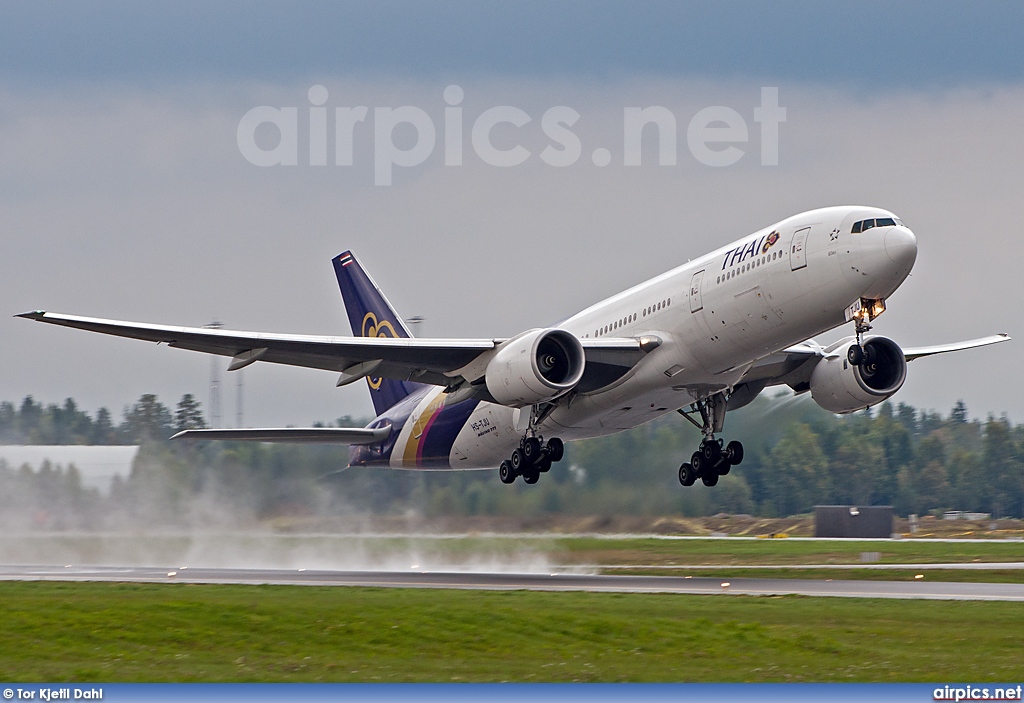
x=716, y=316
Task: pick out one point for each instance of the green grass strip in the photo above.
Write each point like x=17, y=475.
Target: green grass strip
x=135, y=632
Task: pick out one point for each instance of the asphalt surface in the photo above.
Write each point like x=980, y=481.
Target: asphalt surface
x=919, y=589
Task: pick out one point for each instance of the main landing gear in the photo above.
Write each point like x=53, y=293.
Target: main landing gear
x=531, y=459
x=711, y=459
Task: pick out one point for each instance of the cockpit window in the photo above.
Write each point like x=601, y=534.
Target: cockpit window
x=865, y=225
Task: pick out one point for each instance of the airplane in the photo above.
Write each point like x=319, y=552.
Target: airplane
x=702, y=339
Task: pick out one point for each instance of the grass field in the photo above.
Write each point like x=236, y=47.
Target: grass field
x=119, y=632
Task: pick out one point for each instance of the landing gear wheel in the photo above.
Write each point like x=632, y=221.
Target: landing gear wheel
x=687, y=476
x=697, y=463
x=855, y=355
x=711, y=450
x=724, y=467
x=531, y=476
x=734, y=452
x=531, y=449
x=518, y=461
x=709, y=480
x=555, y=449
x=544, y=464
x=505, y=472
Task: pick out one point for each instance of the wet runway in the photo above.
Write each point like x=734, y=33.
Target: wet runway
x=918, y=589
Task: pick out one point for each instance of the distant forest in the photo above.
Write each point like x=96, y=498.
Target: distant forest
x=797, y=456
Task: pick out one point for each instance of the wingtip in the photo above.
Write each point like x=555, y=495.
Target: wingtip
x=33, y=315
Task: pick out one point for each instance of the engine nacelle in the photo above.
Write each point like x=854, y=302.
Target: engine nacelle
x=840, y=387
x=536, y=366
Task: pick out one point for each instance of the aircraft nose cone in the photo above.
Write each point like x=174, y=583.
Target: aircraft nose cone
x=901, y=246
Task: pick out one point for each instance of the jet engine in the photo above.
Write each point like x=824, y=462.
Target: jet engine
x=536, y=366
x=839, y=386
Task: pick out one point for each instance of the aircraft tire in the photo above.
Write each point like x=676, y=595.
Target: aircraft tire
x=855, y=355
x=687, y=477
x=505, y=472
x=556, y=449
x=734, y=452
x=711, y=451
x=709, y=480
x=531, y=449
x=697, y=463
x=517, y=461
x=544, y=464
x=531, y=476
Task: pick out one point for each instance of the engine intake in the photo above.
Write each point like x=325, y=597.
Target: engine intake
x=536, y=366
x=840, y=387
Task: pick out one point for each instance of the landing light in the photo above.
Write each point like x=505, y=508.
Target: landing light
x=865, y=309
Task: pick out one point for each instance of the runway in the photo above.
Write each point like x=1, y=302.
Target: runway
x=918, y=589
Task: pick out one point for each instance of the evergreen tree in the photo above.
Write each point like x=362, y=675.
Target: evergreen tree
x=958, y=414
x=188, y=416
x=148, y=420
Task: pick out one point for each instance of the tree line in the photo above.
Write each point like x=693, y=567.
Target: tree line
x=797, y=456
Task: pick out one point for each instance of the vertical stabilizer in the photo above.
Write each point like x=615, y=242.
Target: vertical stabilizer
x=371, y=315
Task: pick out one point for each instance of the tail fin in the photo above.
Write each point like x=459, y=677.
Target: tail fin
x=371, y=315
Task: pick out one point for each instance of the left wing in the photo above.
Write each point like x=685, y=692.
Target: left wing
x=917, y=353
x=793, y=366
x=433, y=361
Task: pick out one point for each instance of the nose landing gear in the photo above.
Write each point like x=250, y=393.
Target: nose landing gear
x=862, y=313
x=531, y=459
x=711, y=459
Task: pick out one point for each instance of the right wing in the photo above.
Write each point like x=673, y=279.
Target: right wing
x=302, y=435
x=440, y=362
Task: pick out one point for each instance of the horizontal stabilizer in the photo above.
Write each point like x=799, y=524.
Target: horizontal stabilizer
x=300, y=435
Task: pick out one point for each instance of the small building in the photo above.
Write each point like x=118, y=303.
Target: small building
x=873, y=521
x=96, y=464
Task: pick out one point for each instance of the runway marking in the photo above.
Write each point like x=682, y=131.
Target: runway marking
x=933, y=590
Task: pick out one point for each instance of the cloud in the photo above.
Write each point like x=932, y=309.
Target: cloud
x=873, y=45
x=136, y=204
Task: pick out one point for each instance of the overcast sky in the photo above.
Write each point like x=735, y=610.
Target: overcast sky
x=123, y=191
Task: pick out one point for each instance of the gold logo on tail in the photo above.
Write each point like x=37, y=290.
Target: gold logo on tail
x=374, y=328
